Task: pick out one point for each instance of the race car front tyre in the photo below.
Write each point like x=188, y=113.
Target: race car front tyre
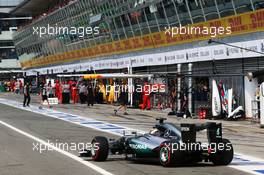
x=100, y=148
x=169, y=156
x=223, y=156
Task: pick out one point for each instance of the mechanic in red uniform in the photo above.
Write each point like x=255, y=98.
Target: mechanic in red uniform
x=12, y=86
x=146, y=96
x=60, y=92
x=74, y=92
x=57, y=88
x=70, y=82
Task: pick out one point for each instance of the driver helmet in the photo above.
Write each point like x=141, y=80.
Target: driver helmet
x=154, y=131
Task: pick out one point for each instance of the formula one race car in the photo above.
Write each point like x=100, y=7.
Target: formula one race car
x=169, y=144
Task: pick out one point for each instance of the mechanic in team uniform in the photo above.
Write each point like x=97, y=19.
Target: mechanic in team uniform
x=146, y=96
x=57, y=89
x=26, y=95
x=102, y=92
x=90, y=94
x=111, y=92
x=65, y=93
x=44, y=94
x=82, y=93
x=123, y=98
x=49, y=90
x=74, y=93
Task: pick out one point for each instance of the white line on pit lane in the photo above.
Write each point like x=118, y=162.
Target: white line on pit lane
x=76, y=158
x=65, y=117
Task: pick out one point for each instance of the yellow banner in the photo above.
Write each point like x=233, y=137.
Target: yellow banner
x=240, y=24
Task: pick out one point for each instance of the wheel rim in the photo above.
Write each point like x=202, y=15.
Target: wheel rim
x=94, y=152
x=164, y=155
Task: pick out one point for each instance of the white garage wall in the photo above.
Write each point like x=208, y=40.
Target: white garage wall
x=250, y=90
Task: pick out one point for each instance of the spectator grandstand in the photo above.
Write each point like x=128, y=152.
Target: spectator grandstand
x=120, y=19
x=8, y=55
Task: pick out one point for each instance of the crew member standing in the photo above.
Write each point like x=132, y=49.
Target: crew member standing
x=74, y=92
x=57, y=89
x=60, y=92
x=17, y=90
x=111, y=94
x=65, y=93
x=26, y=95
x=44, y=95
x=49, y=90
x=20, y=87
x=123, y=99
x=82, y=93
x=146, y=96
x=90, y=95
x=102, y=92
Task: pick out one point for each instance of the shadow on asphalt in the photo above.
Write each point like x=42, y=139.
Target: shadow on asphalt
x=153, y=162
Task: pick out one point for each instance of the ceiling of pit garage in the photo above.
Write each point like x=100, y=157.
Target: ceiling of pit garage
x=34, y=7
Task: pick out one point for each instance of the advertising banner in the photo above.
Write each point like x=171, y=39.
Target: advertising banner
x=208, y=53
x=228, y=26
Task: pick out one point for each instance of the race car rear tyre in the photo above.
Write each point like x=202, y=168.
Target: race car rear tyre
x=100, y=148
x=223, y=156
x=170, y=157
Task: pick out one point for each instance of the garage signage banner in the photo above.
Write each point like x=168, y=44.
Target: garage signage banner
x=216, y=52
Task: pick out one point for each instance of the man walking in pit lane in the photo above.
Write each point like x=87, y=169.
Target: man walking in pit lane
x=26, y=95
x=44, y=95
x=49, y=90
x=123, y=98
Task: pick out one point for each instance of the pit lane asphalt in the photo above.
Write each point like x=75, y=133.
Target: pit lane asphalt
x=247, y=137
x=17, y=156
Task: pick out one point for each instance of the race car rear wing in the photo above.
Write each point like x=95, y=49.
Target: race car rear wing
x=214, y=132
